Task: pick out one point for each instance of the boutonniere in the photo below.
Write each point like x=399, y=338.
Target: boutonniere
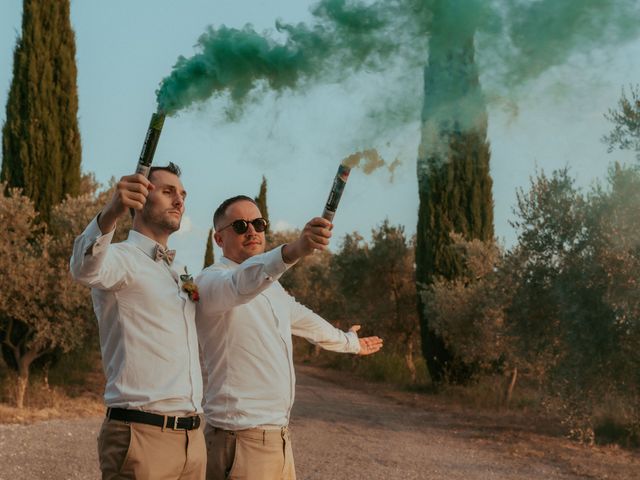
x=189, y=286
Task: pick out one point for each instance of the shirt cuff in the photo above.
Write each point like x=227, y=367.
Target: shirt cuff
x=98, y=240
x=353, y=344
x=274, y=265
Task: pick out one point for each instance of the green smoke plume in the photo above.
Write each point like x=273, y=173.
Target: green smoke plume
x=546, y=33
x=345, y=37
x=516, y=40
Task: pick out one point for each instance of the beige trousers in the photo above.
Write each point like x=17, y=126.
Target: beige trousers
x=253, y=454
x=141, y=452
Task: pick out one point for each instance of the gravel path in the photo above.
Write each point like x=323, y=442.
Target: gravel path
x=341, y=432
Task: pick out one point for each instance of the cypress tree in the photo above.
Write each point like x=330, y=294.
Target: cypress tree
x=208, y=253
x=454, y=182
x=261, y=200
x=41, y=149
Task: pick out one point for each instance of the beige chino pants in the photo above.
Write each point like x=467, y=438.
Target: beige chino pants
x=145, y=452
x=254, y=454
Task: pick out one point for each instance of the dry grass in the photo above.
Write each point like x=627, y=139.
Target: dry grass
x=610, y=419
x=64, y=407
x=76, y=389
x=490, y=393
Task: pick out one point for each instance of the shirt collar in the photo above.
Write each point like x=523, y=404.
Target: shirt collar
x=144, y=243
x=229, y=262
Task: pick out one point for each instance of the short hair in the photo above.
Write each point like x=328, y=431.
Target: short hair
x=171, y=168
x=222, y=209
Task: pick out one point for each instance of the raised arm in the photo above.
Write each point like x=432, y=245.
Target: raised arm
x=92, y=262
x=222, y=288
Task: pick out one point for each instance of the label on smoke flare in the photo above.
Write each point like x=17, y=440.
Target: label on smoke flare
x=337, y=188
x=143, y=169
x=151, y=139
x=335, y=194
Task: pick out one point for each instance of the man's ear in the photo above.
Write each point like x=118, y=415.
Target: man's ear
x=218, y=238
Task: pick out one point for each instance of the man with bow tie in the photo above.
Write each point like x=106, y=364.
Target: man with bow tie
x=146, y=320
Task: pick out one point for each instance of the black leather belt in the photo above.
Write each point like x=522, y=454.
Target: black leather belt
x=164, y=421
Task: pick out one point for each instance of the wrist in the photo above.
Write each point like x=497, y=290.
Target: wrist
x=288, y=252
x=106, y=221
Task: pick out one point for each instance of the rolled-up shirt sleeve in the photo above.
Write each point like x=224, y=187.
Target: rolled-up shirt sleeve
x=95, y=263
x=223, y=288
x=312, y=327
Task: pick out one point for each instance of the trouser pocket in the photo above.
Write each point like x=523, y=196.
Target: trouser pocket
x=114, y=446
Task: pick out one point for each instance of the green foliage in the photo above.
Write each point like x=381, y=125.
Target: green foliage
x=575, y=275
x=559, y=310
x=208, y=253
x=43, y=312
x=370, y=284
x=626, y=120
x=454, y=184
x=468, y=312
x=551, y=230
x=310, y=281
x=40, y=138
x=562, y=307
x=261, y=200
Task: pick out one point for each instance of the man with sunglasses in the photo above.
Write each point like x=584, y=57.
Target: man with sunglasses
x=245, y=320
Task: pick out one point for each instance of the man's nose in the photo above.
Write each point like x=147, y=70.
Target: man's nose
x=251, y=230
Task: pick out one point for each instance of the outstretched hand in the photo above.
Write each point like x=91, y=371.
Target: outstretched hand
x=368, y=345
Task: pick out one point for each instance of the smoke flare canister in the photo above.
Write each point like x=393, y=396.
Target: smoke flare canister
x=150, y=143
x=336, y=192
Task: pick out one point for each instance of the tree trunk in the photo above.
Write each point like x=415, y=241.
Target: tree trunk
x=23, y=381
x=512, y=384
x=24, y=362
x=45, y=375
x=411, y=366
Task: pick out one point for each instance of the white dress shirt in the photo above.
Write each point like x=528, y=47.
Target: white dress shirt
x=245, y=320
x=146, y=321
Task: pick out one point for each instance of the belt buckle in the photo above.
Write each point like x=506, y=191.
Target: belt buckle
x=175, y=423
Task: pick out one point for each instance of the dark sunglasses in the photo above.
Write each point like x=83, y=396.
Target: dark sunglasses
x=241, y=226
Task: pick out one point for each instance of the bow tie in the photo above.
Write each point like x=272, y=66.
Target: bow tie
x=162, y=253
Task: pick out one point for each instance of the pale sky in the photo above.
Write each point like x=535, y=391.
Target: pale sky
x=125, y=48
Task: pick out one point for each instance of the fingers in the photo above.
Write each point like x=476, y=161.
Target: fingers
x=314, y=236
x=320, y=222
x=132, y=191
x=369, y=345
x=372, y=341
x=317, y=233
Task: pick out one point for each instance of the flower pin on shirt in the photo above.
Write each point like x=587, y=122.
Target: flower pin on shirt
x=189, y=286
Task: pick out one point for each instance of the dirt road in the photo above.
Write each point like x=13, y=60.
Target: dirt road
x=351, y=432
